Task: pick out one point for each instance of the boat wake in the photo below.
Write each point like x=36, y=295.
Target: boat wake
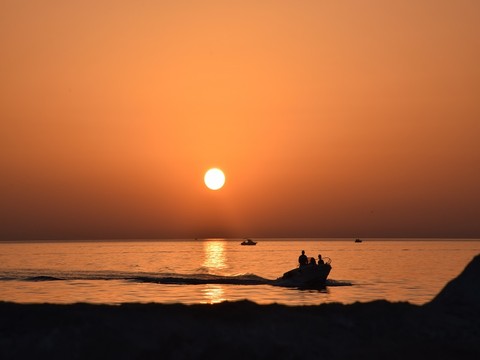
x=156, y=278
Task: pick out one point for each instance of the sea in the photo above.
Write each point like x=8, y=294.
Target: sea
x=209, y=271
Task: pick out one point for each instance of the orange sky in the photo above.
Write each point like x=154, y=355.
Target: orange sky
x=329, y=118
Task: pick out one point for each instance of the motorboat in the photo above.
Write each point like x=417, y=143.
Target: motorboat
x=358, y=240
x=248, y=242
x=311, y=276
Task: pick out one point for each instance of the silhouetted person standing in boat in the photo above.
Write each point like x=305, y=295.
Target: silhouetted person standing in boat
x=320, y=260
x=302, y=259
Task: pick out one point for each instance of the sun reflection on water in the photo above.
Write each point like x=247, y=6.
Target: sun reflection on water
x=214, y=260
x=213, y=294
x=214, y=255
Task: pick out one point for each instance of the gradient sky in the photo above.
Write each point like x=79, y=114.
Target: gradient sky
x=329, y=118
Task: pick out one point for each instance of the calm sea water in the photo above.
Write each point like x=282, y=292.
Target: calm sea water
x=215, y=270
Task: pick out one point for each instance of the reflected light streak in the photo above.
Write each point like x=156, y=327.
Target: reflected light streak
x=213, y=294
x=214, y=259
x=214, y=255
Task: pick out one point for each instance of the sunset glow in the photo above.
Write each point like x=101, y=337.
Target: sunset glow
x=186, y=179
x=333, y=118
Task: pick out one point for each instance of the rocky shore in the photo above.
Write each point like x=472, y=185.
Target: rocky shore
x=446, y=328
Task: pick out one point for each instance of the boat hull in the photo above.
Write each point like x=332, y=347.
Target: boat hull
x=248, y=242
x=308, y=276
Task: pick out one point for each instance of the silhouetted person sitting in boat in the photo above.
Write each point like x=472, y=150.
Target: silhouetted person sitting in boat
x=320, y=260
x=312, y=261
x=302, y=259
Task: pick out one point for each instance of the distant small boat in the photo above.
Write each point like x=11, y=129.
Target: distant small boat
x=248, y=242
x=358, y=240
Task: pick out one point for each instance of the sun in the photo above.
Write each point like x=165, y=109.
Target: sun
x=214, y=179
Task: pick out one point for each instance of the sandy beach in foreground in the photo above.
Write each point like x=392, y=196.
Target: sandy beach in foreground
x=446, y=328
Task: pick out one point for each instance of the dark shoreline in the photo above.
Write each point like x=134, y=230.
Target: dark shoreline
x=446, y=328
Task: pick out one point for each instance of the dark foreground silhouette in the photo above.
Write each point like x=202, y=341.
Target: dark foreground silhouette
x=446, y=328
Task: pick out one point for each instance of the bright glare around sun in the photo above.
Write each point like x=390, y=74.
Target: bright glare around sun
x=214, y=179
